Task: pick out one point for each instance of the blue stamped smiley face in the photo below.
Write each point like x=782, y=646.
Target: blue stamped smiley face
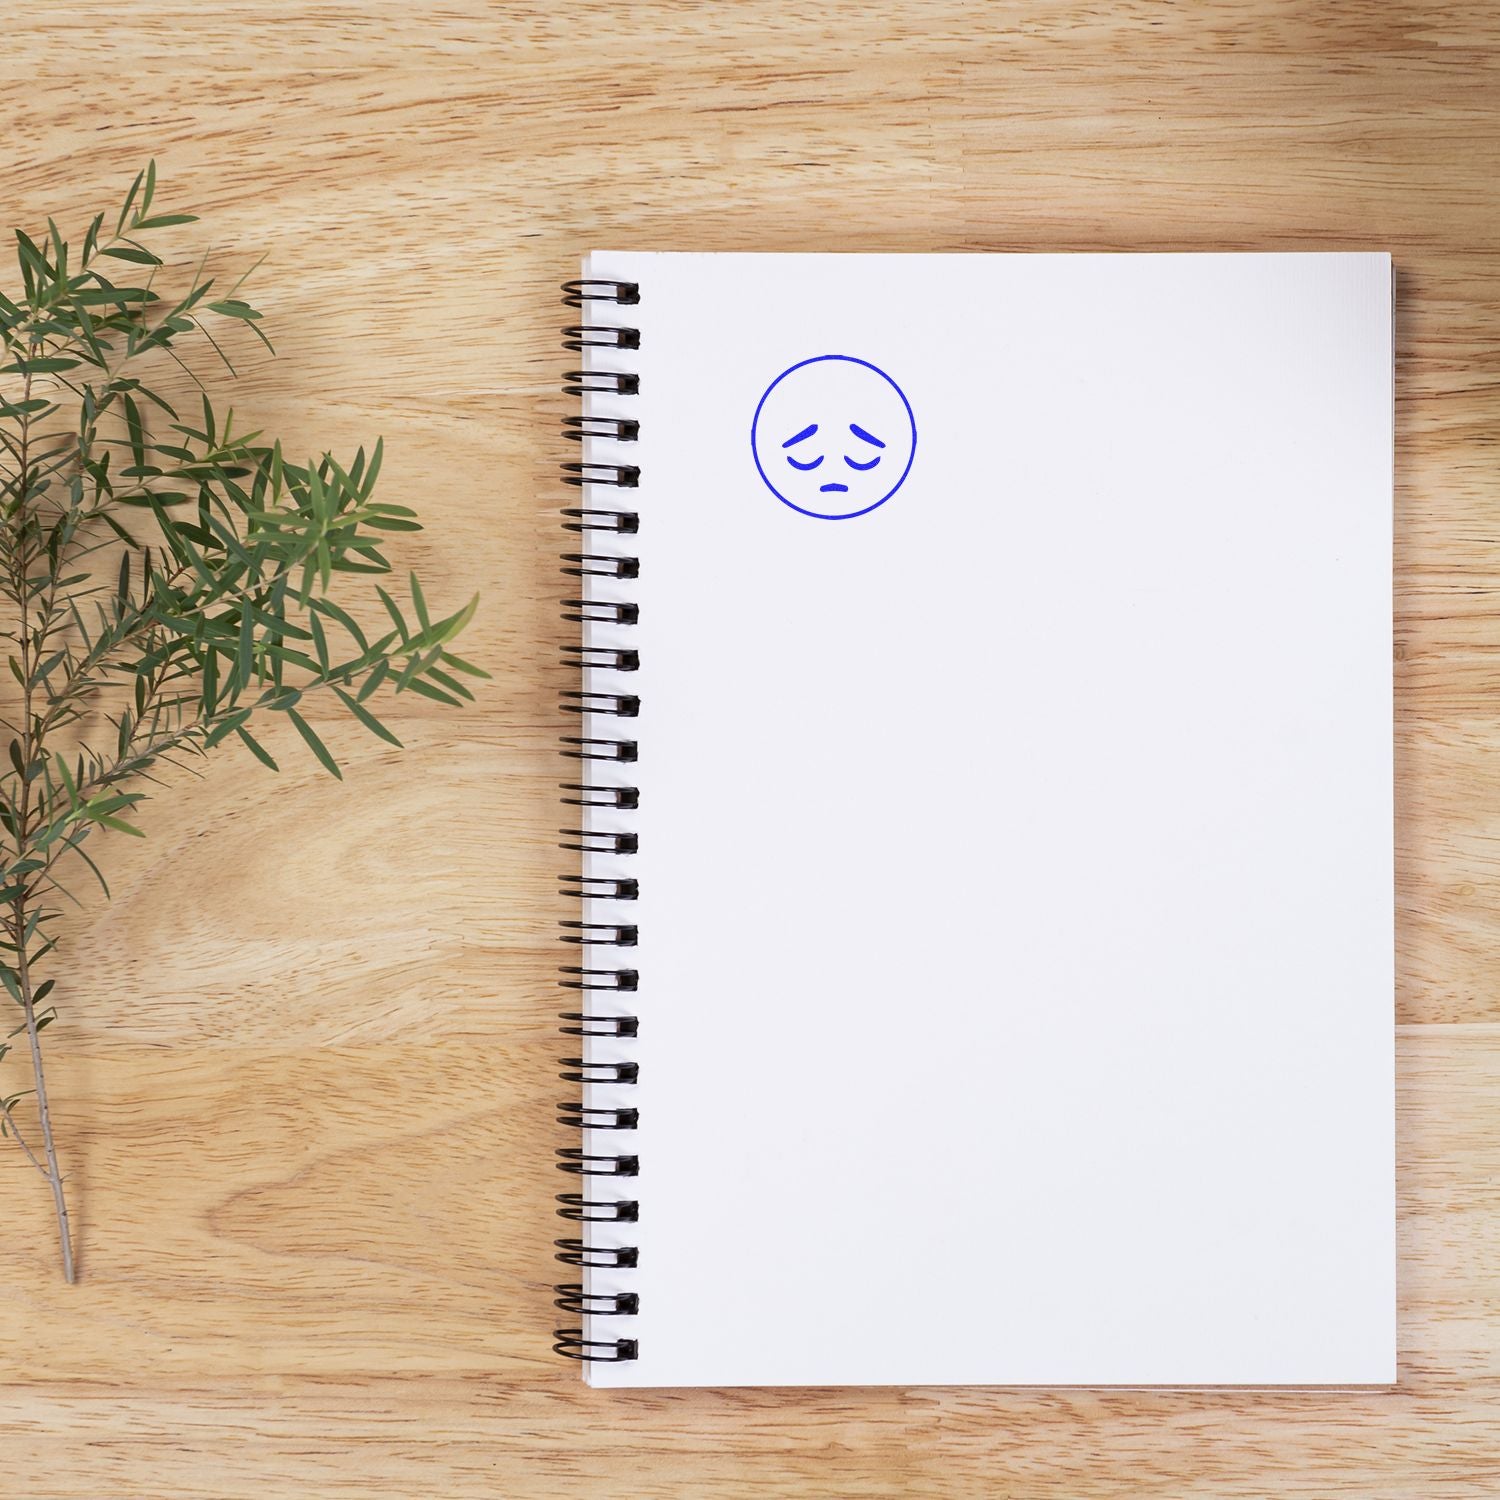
x=833, y=437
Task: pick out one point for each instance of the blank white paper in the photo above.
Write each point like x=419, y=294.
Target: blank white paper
x=1016, y=856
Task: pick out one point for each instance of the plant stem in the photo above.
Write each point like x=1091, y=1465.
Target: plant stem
x=29, y=748
x=49, y=1149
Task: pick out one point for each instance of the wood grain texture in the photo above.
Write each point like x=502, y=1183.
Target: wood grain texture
x=303, y=1078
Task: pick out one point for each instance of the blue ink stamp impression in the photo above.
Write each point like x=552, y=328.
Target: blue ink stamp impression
x=833, y=437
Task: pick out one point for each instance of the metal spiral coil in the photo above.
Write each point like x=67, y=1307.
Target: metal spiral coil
x=600, y=887
x=571, y=1345
x=583, y=747
x=581, y=336
x=584, y=932
x=577, y=1070
x=578, y=1024
x=626, y=797
x=621, y=429
x=574, y=1252
x=602, y=382
x=598, y=565
x=621, y=705
x=572, y=1298
x=576, y=519
x=599, y=979
x=602, y=1059
x=583, y=1210
x=580, y=1163
x=581, y=472
x=606, y=657
x=601, y=612
x=620, y=293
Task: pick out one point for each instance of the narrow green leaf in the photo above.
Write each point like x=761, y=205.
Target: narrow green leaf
x=394, y=613
x=137, y=431
x=372, y=473
x=426, y=690
x=226, y=726
x=69, y=785
x=466, y=667
x=118, y=530
x=43, y=365
x=235, y=309
x=59, y=249
x=98, y=873
x=135, y=187
x=314, y=744
x=333, y=611
x=117, y=824
x=35, y=271
x=449, y=684
x=133, y=253
x=244, y=659
x=258, y=750
x=368, y=719
x=377, y=675
x=445, y=630
x=320, y=641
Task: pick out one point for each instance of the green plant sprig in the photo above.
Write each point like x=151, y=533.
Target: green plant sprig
x=167, y=578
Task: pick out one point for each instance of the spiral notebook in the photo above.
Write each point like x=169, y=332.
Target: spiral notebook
x=980, y=788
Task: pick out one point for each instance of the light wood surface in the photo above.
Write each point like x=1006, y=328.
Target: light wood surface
x=305, y=1068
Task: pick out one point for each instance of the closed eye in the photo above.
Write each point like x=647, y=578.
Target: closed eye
x=854, y=465
x=813, y=465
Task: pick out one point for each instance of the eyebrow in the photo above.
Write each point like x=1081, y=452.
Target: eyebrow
x=806, y=432
x=869, y=437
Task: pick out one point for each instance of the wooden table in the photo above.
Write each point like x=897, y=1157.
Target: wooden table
x=304, y=1075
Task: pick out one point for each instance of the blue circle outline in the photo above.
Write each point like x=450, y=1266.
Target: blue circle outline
x=819, y=515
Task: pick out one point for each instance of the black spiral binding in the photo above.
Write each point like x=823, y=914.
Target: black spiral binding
x=594, y=944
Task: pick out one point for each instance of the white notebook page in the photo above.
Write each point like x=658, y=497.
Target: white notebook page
x=1015, y=857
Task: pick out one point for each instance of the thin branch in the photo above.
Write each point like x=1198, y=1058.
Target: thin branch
x=44, y=1114
x=230, y=604
x=15, y=1130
